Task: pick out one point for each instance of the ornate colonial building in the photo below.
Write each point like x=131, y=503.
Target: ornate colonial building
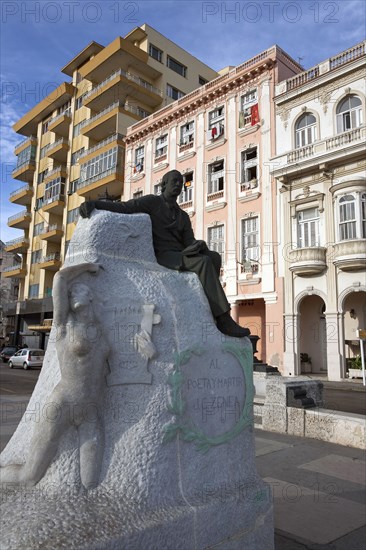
x=221, y=138
x=321, y=212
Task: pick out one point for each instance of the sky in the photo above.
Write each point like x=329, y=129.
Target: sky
x=39, y=37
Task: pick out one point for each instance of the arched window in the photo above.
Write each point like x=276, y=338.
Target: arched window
x=305, y=130
x=349, y=114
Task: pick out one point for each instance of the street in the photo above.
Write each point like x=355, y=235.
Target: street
x=351, y=401
x=17, y=381
x=338, y=396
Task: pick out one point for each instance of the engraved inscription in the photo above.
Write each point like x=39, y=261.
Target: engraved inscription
x=214, y=393
x=219, y=407
x=131, y=339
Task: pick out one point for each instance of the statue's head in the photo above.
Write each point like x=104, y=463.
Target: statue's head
x=171, y=184
x=80, y=296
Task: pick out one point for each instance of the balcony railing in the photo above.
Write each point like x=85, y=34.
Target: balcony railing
x=328, y=145
x=186, y=146
x=53, y=257
x=332, y=63
x=19, y=215
x=215, y=195
x=12, y=267
x=343, y=139
x=101, y=144
x=20, y=190
x=55, y=144
x=127, y=75
x=19, y=240
x=248, y=185
x=302, y=78
x=55, y=198
x=53, y=172
x=301, y=153
x=28, y=160
x=248, y=267
x=52, y=227
x=65, y=113
x=101, y=113
x=24, y=141
x=97, y=177
x=347, y=56
x=136, y=110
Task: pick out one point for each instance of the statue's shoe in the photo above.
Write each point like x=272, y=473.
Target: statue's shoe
x=229, y=327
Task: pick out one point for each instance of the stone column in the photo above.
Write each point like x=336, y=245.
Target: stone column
x=290, y=363
x=334, y=335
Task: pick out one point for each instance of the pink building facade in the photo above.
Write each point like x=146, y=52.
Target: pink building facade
x=221, y=138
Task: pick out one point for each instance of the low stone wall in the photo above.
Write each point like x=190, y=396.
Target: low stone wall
x=315, y=422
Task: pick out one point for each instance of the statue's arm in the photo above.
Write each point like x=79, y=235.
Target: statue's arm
x=188, y=235
x=60, y=288
x=60, y=299
x=142, y=205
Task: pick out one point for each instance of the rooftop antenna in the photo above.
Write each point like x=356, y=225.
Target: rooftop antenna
x=299, y=59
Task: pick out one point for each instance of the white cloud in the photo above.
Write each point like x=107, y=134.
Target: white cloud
x=9, y=139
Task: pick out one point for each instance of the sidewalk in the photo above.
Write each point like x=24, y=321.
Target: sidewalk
x=318, y=488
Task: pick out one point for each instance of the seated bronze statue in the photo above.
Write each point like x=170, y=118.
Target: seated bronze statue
x=175, y=246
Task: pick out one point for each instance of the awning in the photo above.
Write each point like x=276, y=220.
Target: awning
x=40, y=328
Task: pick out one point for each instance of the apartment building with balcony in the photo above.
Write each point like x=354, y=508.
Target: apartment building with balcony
x=220, y=138
x=319, y=167
x=10, y=263
x=73, y=147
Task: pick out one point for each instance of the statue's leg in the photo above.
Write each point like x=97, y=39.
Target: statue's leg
x=41, y=452
x=204, y=267
x=215, y=258
x=44, y=446
x=91, y=444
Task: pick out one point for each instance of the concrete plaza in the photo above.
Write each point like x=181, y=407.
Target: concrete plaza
x=318, y=488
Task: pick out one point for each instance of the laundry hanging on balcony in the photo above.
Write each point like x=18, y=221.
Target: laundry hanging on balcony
x=137, y=168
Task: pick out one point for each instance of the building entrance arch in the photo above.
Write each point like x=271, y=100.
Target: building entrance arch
x=312, y=331
x=353, y=307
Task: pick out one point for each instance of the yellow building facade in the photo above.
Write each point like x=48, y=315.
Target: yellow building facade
x=74, y=149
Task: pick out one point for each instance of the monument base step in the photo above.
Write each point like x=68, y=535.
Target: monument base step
x=241, y=519
x=263, y=367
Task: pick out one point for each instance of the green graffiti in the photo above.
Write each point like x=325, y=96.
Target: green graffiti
x=176, y=406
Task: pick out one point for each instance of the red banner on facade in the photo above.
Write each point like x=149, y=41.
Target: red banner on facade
x=254, y=113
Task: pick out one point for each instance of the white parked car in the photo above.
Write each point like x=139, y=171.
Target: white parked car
x=27, y=358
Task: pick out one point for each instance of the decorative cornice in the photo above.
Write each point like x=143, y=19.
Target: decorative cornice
x=240, y=83
x=161, y=166
x=216, y=206
x=247, y=198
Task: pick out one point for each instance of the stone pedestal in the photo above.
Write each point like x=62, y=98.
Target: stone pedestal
x=178, y=468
